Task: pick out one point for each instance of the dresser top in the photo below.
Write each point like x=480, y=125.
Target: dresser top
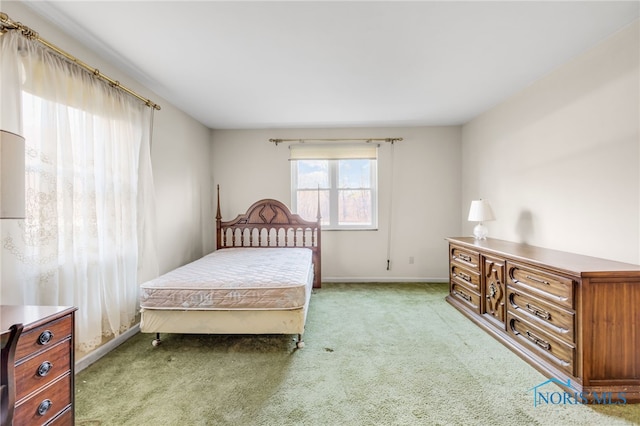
x=576, y=264
x=29, y=316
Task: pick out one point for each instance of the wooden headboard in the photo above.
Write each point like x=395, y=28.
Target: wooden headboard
x=270, y=223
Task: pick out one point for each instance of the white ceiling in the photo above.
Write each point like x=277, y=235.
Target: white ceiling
x=287, y=64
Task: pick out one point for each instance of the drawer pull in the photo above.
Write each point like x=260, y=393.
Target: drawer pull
x=538, y=341
x=45, y=337
x=44, y=407
x=464, y=257
x=538, y=280
x=538, y=312
x=464, y=276
x=44, y=368
x=463, y=295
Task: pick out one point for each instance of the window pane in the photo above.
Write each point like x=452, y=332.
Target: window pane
x=347, y=187
x=354, y=207
x=308, y=205
x=354, y=173
x=312, y=173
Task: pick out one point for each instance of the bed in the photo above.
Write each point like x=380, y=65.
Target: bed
x=259, y=280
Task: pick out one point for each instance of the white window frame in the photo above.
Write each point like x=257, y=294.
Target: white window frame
x=331, y=223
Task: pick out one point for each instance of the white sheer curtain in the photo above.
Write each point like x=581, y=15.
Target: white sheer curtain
x=87, y=239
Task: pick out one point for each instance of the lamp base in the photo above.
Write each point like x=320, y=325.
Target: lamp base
x=480, y=231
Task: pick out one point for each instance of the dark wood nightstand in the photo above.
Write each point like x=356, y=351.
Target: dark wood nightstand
x=43, y=363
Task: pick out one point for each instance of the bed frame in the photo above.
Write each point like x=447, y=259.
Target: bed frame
x=267, y=223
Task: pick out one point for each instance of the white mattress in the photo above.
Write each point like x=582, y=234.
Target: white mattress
x=235, y=278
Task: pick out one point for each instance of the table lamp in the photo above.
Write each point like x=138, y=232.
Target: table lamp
x=480, y=212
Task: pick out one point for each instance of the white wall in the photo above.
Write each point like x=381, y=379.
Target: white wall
x=181, y=153
x=426, y=197
x=559, y=162
x=181, y=157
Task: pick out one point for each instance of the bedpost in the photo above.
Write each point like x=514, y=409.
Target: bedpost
x=218, y=222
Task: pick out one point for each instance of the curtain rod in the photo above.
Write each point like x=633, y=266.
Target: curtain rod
x=7, y=24
x=391, y=140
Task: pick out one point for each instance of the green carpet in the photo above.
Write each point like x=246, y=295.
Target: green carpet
x=376, y=354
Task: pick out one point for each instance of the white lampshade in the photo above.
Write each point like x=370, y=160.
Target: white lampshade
x=11, y=176
x=480, y=211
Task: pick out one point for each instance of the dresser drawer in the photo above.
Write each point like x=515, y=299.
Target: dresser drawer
x=42, y=369
x=470, y=298
x=46, y=404
x=466, y=257
x=557, y=321
x=470, y=278
x=43, y=337
x=63, y=419
x=556, y=288
x=540, y=343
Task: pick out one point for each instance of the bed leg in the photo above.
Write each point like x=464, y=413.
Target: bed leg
x=156, y=341
x=300, y=342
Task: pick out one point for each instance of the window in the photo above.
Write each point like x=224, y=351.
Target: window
x=87, y=238
x=342, y=179
x=90, y=176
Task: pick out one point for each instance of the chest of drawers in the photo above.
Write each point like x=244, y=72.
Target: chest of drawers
x=574, y=318
x=44, y=364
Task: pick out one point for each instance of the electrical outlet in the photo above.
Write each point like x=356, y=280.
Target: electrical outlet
x=411, y=260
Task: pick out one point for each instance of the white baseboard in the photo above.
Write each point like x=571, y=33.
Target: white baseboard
x=89, y=359
x=384, y=280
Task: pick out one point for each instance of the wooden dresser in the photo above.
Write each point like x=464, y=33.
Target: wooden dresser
x=572, y=317
x=44, y=363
